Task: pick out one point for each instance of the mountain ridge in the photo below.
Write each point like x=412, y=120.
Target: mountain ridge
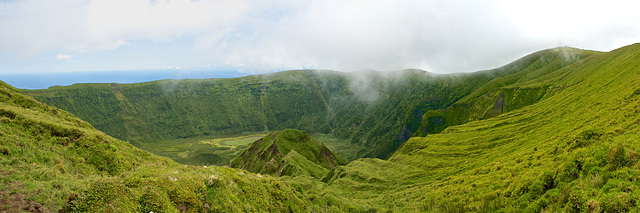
x=573, y=151
x=564, y=140
x=178, y=109
x=378, y=110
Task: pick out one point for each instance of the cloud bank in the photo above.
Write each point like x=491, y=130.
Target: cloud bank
x=253, y=35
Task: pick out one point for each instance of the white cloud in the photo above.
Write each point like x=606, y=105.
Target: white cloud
x=440, y=36
x=64, y=57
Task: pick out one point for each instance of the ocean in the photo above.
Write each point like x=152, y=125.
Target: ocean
x=46, y=80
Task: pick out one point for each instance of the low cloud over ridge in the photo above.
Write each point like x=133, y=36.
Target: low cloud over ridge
x=439, y=36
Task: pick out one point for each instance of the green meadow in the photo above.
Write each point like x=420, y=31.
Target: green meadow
x=555, y=131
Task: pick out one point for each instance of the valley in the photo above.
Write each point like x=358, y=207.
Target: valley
x=555, y=131
x=203, y=150
x=219, y=151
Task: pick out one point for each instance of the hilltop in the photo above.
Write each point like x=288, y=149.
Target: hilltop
x=290, y=152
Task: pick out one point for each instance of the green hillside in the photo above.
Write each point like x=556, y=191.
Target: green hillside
x=376, y=110
x=50, y=160
x=573, y=150
x=520, y=85
x=556, y=131
x=290, y=152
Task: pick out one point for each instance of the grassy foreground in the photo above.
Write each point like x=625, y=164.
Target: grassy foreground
x=50, y=160
x=574, y=150
x=562, y=136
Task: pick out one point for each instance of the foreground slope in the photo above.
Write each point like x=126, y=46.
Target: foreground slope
x=50, y=160
x=289, y=152
x=574, y=150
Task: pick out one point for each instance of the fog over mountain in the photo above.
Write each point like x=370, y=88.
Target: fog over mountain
x=258, y=36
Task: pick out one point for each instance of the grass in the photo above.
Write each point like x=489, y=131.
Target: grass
x=340, y=146
x=377, y=118
x=574, y=150
x=53, y=161
x=203, y=150
x=545, y=133
x=219, y=151
x=289, y=152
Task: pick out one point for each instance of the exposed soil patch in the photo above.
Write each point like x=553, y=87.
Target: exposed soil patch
x=15, y=202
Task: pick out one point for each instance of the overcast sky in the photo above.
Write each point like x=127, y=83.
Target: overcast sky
x=267, y=35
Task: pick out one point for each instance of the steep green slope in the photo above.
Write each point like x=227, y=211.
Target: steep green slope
x=50, y=160
x=523, y=82
x=568, y=141
x=290, y=152
x=377, y=110
x=573, y=151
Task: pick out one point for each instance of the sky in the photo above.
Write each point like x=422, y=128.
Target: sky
x=256, y=36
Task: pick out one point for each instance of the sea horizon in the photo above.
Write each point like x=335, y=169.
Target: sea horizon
x=46, y=80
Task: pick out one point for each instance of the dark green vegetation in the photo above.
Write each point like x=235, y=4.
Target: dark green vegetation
x=290, y=152
x=374, y=110
x=556, y=131
x=574, y=149
x=51, y=160
x=523, y=84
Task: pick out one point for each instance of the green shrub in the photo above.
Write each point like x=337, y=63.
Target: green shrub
x=155, y=200
x=576, y=202
x=107, y=194
x=620, y=156
x=585, y=137
x=571, y=171
x=617, y=202
x=548, y=180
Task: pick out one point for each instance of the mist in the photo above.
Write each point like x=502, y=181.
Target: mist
x=257, y=36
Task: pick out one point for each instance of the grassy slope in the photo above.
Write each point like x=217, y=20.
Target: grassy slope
x=520, y=85
x=375, y=110
x=54, y=160
x=289, y=152
x=574, y=150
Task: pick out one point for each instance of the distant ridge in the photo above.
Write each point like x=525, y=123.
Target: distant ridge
x=46, y=80
x=378, y=110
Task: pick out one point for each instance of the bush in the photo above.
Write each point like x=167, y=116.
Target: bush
x=108, y=194
x=617, y=202
x=585, y=137
x=571, y=171
x=593, y=206
x=154, y=200
x=575, y=203
x=548, y=180
x=620, y=156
